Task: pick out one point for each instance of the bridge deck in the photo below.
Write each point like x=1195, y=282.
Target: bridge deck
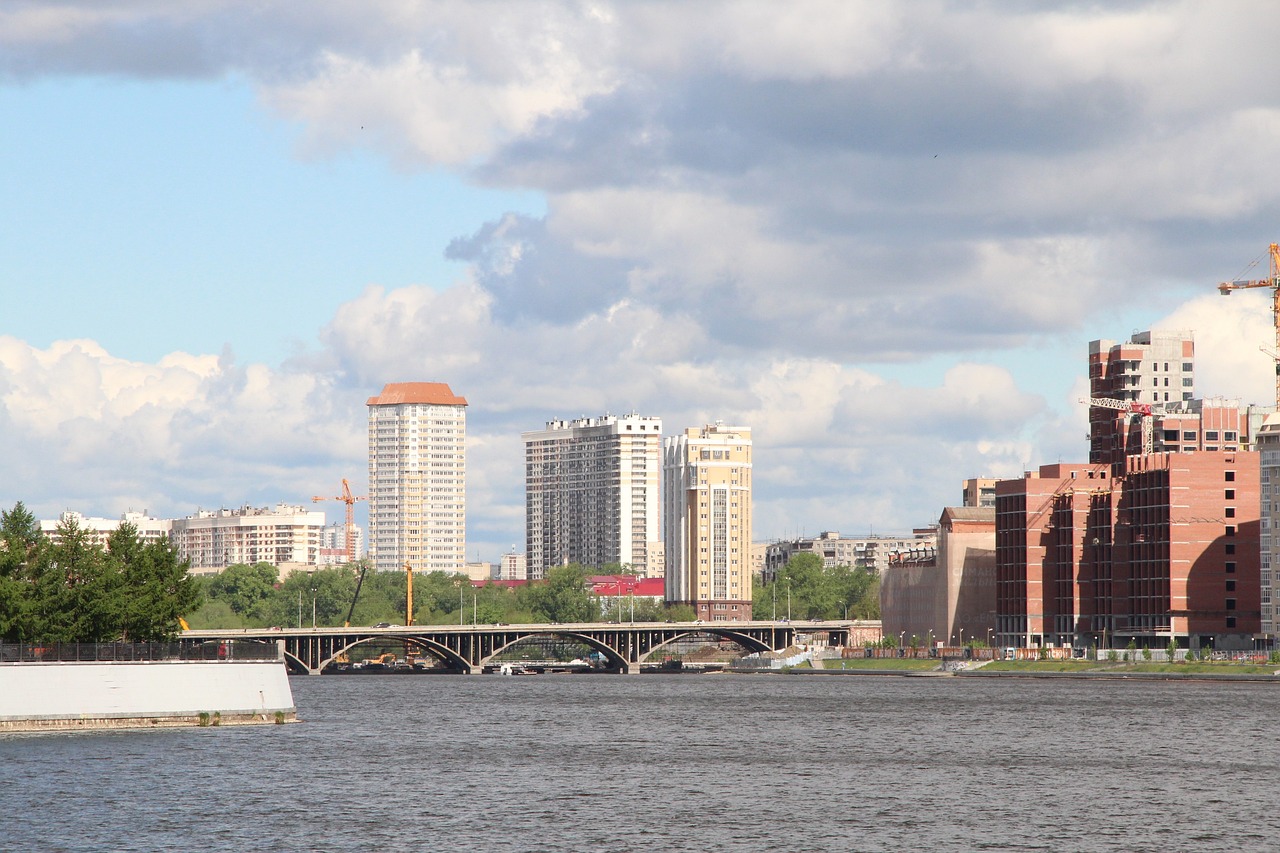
x=468, y=648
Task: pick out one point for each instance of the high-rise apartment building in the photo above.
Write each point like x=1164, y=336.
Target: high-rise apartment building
x=1269, y=523
x=591, y=494
x=417, y=478
x=707, y=521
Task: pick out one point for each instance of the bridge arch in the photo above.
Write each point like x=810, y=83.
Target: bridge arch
x=438, y=650
x=612, y=655
x=751, y=644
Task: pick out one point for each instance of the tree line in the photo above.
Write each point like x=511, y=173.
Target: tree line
x=69, y=588
x=253, y=596
x=806, y=589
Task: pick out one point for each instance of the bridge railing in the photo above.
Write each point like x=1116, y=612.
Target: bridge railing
x=126, y=652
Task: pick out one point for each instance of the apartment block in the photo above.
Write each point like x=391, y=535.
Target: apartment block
x=417, y=478
x=288, y=537
x=592, y=494
x=707, y=521
x=873, y=553
x=99, y=529
x=1269, y=523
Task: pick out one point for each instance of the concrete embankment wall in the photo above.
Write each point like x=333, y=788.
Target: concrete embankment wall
x=41, y=696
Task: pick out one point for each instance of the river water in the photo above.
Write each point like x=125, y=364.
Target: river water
x=676, y=762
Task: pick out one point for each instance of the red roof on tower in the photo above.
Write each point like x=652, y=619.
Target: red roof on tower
x=430, y=393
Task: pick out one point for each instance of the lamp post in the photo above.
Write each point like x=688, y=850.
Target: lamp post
x=299, y=608
x=988, y=638
x=788, y=599
x=461, y=610
x=313, y=609
x=902, y=638
x=962, y=638
x=773, y=590
x=475, y=608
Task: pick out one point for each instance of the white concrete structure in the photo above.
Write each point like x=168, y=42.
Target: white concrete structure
x=707, y=521
x=286, y=536
x=37, y=696
x=591, y=493
x=149, y=529
x=417, y=478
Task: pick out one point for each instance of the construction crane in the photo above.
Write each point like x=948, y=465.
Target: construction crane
x=347, y=498
x=1273, y=282
x=1142, y=409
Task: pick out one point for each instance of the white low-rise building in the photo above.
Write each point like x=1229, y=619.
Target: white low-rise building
x=285, y=536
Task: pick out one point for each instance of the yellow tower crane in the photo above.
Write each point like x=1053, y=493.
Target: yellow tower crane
x=1273, y=282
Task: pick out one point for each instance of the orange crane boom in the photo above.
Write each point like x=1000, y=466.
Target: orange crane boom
x=1273, y=282
x=347, y=498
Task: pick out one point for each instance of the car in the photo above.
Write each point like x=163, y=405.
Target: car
x=383, y=625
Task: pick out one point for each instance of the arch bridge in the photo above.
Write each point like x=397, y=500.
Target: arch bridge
x=469, y=648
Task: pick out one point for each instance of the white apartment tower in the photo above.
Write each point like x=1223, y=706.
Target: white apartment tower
x=417, y=478
x=706, y=476
x=591, y=494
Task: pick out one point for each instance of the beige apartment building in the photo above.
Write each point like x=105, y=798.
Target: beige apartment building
x=417, y=478
x=288, y=537
x=707, y=521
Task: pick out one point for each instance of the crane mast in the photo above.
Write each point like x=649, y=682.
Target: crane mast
x=350, y=500
x=1273, y=282
x=1143, y=410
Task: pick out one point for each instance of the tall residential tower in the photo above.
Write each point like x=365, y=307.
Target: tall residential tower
x=707, y=520
x=591, y=494
x=417, y=478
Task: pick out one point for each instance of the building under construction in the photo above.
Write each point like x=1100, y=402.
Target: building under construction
x=1157, y=537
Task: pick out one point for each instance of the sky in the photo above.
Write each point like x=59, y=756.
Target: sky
x=882, y=235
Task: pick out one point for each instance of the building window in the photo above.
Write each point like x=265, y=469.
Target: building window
x=1231, y=568
x=1229, y=476
x=1231, y=494
x=1231, y=604
x=1231, y=621
x=1231, y=586
x=1231, y=547
x=1188, y=435
x=1211, y=435
x=1230, y=511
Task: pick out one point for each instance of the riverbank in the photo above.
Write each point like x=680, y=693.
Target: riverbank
x=1143, y=671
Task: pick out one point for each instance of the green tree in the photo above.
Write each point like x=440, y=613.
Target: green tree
x=325, y=594
x=563, y=596
x=807, y=590
x=245, y=588
x=20, y=544
x=156, y=586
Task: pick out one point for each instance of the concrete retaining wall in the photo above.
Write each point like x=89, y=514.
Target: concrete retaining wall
x=36, y=696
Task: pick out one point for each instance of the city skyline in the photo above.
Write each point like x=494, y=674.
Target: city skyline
x=880, y=235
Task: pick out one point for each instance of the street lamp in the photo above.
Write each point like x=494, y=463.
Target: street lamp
x=461, y=610
x=313, y=609
x=788, y=599
x=989, y=638
x=902, y=638
x=299, y=609
x=773, y=590
x=962, y=637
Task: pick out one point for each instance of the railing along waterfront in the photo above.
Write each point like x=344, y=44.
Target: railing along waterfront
x=130, y=652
